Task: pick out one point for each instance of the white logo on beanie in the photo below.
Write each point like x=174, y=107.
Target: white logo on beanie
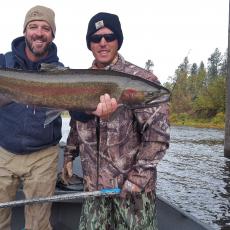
x=99, y=24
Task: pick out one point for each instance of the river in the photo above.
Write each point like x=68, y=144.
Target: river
x=194, y=174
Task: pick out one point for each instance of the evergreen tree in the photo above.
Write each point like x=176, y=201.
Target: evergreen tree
x=224, y=65
x=194, y=69
x=181, y=99
x=214, y=63
x=148, y=65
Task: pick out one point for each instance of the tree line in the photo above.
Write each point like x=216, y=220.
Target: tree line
x=200, y=91
x=197, y=91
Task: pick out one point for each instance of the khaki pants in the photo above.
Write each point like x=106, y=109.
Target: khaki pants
x=37, y=172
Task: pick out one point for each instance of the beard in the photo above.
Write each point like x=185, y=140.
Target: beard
x=36, y=52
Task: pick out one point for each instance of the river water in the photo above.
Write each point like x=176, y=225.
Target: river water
x=194, y=174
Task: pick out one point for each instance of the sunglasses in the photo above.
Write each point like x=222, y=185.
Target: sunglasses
x=96, y=38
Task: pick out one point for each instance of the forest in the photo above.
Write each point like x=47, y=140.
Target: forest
x=198, y=92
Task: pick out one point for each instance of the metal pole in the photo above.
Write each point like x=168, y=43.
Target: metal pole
x=227, y=112
x=62, y=197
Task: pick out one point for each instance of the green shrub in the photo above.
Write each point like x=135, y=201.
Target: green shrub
x=219, y=118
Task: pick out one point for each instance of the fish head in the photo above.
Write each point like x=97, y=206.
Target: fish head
x=141, y=98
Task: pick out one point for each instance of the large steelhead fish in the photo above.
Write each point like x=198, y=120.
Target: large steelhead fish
x=78, y=89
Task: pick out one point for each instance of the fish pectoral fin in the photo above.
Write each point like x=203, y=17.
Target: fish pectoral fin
x=51, y=115
x=49, y=67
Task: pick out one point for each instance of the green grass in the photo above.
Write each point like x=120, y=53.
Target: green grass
x=183, y=119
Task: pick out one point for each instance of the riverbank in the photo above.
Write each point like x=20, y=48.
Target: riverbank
x=198, y=124
x=217, y=122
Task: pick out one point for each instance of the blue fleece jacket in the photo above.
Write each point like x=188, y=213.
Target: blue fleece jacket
x=22, y=129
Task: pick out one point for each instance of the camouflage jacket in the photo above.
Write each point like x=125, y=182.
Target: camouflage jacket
x=124, y=150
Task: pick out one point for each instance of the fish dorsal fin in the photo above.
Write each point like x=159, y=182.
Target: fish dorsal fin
x=49, y=67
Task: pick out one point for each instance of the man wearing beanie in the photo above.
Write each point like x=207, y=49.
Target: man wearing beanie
x=28, y=147
x=120, y=151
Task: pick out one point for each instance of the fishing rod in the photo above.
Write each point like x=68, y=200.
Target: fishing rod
x=62, y=197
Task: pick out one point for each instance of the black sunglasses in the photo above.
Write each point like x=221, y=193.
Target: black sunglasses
x=96, y=38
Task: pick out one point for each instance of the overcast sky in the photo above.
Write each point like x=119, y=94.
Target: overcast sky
x=164, y=31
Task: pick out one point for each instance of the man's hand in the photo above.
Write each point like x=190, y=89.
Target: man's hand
x=67, y=171
x=106, y=107
x=129, y=188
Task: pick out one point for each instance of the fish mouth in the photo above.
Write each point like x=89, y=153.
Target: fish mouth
x=149, y=96
x=156, y=97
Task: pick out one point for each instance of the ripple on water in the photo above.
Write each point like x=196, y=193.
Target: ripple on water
x=193, y=174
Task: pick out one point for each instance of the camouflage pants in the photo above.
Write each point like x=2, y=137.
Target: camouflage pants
x=106, y=213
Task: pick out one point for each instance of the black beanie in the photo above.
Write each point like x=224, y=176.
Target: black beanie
x=108, y=20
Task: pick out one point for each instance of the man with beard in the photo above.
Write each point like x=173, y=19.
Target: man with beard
x=28, y=148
